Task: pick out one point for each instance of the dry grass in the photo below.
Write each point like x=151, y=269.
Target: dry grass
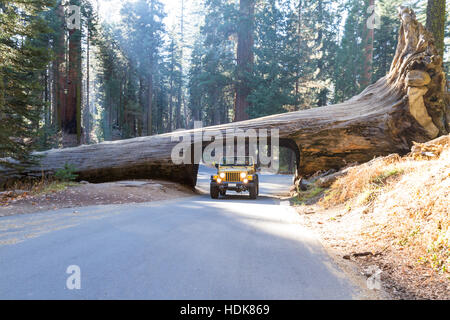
x=364, y=181
x=406, y=201
x=22, y=190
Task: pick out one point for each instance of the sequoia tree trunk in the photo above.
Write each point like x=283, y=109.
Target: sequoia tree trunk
x=405, y=106
x=71, y=122
x=244, y=58
x=60, y=71
x=436, y=15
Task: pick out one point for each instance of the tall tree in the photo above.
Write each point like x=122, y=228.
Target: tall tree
x=244, y=57
x=385, y=39
x=23, y=60
x=194, y=85
x=71, y=122
x=143, y=23
x=60, y=65
x=317, y=23
x=213, y=68
x=350, y=55
x=436, y=20
x=275, y=50
x=180, y=81
x=91, y=34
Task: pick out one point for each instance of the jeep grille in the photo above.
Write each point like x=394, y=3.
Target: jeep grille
x=233, y=176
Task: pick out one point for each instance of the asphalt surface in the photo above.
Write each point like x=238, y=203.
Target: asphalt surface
x=189, y=248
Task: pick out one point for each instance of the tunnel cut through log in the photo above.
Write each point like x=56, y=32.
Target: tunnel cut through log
x=409, y=104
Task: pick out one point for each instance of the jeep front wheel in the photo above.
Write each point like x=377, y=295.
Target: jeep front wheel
x=214, y=191
x=253, y=191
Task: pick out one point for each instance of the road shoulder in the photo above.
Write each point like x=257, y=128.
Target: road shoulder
x=87, y=194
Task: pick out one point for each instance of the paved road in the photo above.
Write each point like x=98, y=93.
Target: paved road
x=191, y=248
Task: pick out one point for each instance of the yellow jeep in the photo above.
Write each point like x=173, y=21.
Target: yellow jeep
x=237, y=174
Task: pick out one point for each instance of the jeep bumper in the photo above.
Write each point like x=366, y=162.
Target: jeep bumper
x=233, y=186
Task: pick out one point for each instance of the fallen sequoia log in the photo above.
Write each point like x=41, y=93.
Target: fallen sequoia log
x=405, y=106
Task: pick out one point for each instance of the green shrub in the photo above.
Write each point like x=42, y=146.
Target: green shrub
x=67, y=173
x=381, y=178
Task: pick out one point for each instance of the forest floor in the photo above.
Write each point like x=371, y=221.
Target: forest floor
x=59, y=195
x=391, y=218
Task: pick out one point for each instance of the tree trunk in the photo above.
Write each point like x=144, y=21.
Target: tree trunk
x=142, y=105
x=87, y=111
x=244, y=58
x=178, y=108
x=172, y=67
x=299, y=43
x=368, y=53
x=405, y=106
x=436, y=15
x=150, y=106
x=180, y=84
x=71, y=122
x=61, y=71
x=150, y=78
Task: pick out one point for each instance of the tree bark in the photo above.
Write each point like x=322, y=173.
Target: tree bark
x=436, y=14
x=299, y=34
x=87, y=111
x=150, y=78
x=172, y=68
x=61, y=71
x=150, y=106
x=405, y=106
x=244, y=58
x=141, y=122
x=180, y=84
x=71, y=122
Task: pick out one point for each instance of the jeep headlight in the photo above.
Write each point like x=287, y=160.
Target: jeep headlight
x=222, y=175
x=243, y=175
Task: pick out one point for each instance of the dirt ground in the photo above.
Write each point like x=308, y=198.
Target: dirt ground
x=342, y=235
x=390, y=217
x=80, y=195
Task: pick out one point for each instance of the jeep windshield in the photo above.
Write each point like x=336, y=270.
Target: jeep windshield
x=237, y=161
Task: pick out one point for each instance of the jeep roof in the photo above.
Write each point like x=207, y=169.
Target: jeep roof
x=237, y=161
